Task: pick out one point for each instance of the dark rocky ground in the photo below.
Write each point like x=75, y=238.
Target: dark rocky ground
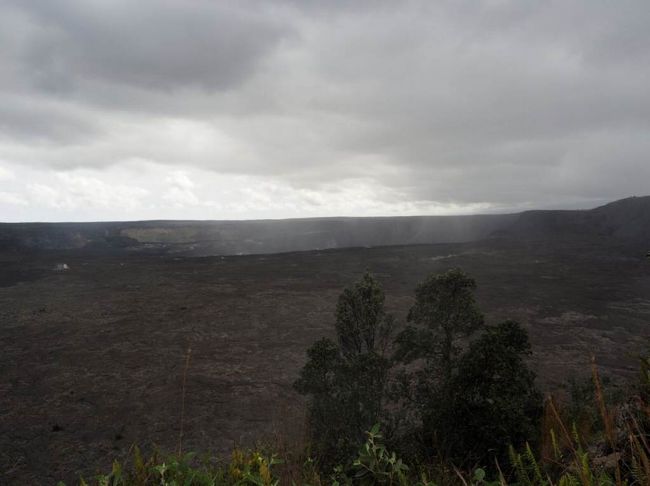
x=92, y=357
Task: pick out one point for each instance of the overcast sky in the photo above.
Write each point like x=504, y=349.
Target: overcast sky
x=118, y=110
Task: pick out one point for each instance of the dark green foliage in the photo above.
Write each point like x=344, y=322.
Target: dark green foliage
x=470, y=406
x=318, y=375
x=493, y=399
x=362, y=325
x=376, y=465
x=444, y=310
x=345, y=380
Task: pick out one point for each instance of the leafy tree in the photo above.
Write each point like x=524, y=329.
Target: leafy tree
x=345, y=379
x=470, y=405
x=444, y=311
x=362, y=325
x=494, y=402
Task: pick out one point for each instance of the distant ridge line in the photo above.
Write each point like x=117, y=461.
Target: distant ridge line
x=626, y=219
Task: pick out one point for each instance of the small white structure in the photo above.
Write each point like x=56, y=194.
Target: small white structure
x=61, y=267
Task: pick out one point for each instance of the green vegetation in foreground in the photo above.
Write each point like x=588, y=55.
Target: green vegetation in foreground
x=446, y=401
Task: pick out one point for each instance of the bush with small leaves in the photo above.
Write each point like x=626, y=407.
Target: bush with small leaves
x=345, y=380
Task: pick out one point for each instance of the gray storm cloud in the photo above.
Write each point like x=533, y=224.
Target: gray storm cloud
x=286, y=109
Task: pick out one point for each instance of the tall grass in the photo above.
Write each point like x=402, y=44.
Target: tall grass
x=620, y=457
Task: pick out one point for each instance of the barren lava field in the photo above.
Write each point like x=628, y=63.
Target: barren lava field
x=92, y=357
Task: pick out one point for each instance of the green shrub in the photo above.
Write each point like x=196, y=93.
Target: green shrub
x=465, y=407
x=493, y=401
x=345, y=380
x=245, y=469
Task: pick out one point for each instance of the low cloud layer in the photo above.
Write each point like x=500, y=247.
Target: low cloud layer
x=216, y=110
